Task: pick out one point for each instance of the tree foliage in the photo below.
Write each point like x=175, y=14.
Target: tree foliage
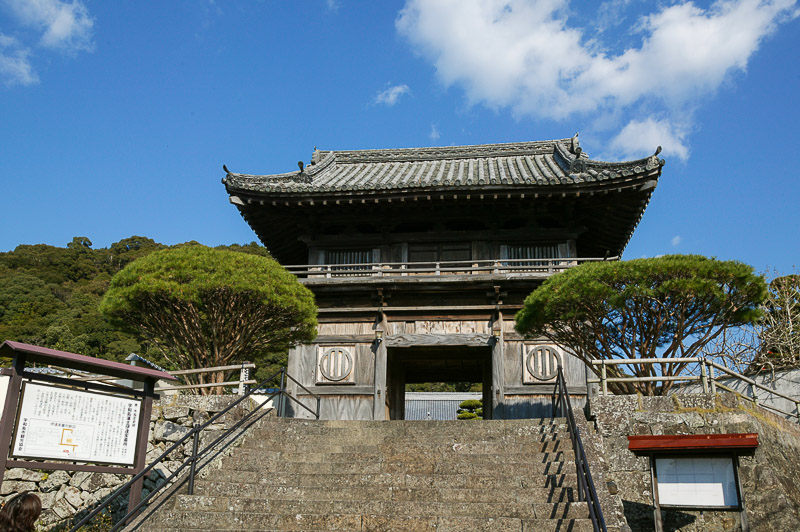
x=779, y=328
x=204, y=307
x=470, y=409
x=668, y=307
x=50, y=296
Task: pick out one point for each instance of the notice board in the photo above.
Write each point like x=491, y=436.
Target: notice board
x=67, y=424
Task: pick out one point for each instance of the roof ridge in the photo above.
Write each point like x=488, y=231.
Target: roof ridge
x=470, y=151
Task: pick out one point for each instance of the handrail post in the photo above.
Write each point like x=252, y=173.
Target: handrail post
x=604, y=377
x=244, y=376
x=193, y=463
x=713, y=378
x=282, y=391
x=318, y=406
x=704, y=375
x=753, y=393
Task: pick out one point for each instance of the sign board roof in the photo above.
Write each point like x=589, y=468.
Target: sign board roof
x=44, y=355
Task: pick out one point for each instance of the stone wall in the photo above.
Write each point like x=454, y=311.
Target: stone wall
x=65, y=494
x=770, y=488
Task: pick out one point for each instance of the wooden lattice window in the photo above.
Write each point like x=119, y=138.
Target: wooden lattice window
x=439, y=252
x=348, y=258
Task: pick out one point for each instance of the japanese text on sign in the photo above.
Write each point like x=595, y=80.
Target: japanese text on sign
x=76, y=425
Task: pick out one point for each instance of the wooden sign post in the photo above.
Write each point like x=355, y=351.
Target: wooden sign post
x=72, y=425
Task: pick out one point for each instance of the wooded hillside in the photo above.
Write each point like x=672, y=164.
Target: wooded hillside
x=49, y=296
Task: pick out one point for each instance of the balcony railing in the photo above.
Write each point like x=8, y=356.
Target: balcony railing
x=539, y=267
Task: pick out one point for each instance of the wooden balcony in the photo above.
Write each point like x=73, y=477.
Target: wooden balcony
x=442, y=271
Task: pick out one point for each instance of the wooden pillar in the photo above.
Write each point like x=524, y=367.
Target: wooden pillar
x=141, y=443
x=486, y=371
x=498, y=372
x=379, y=394
x=10, y=410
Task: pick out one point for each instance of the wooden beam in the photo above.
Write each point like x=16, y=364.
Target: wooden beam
x=417, y=340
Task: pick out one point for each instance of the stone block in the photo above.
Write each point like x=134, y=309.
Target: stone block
x=78, y=478
x=73, y=496
x=700, y=401
x=604, y=405
x=28, y=475
x=62, y=508
x=48, y=517
x=174, y=412
x=206, y=403
x=54, y=481
x=169, y=431
x=658, y=404
x=48, y=499
x=693, y=420
x=16, y=486
x=100, y=480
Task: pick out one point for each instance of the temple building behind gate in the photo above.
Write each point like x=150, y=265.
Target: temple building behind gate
x=419, y=259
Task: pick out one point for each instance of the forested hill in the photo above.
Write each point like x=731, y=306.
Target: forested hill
x=49, y=295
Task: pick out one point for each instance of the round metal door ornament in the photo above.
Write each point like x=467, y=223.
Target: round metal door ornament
x=543, y=362
x=336, y=364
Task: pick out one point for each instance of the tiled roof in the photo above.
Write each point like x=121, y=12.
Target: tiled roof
x=512, y=165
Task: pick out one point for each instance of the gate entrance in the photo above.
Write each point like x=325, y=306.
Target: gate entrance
x=414, y=365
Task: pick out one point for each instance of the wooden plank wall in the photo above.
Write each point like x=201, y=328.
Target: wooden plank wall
x=361, y=400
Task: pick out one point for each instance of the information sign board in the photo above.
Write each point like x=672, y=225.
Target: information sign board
x=68, y=424
x=696, y=481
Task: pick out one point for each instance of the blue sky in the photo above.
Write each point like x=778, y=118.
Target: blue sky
x=116, y=117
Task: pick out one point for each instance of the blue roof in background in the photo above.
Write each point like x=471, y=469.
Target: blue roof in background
x=439, y=406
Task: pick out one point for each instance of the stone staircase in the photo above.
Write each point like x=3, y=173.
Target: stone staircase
x=388, y=476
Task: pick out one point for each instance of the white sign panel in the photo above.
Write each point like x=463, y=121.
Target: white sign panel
x=68, y=424
x=696, y=482
x=4, y=380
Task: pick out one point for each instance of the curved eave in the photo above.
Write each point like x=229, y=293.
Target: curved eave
x=460, y=168
x=244, y=195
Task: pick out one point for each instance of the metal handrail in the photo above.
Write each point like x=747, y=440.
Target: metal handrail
x=586, y=489
x=707, y=378
x=197, y=456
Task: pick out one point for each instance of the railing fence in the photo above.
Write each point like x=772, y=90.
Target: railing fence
x=709, y=376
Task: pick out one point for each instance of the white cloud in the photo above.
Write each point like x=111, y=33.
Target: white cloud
x=392, y=94
x=524, y=54
x=15, y=66
x=676, y=240
x=333, y=5
x=610, y=13
x=434, y=134
x=65, y=26
x=641, y=136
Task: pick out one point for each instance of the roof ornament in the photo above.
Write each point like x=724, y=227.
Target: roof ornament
x=653, y=161
x=300, y=165
x=578, y=164
x=574, y=146
x=228, y=172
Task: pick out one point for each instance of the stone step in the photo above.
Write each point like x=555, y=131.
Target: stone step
x=293, y=427
x=397, y=480
x=242, y=461
x=350, y=444
x=544, y=510
x=258, y=460
x=382, y=493
x=184, y=521
x=410, y=453
x=245, y=461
